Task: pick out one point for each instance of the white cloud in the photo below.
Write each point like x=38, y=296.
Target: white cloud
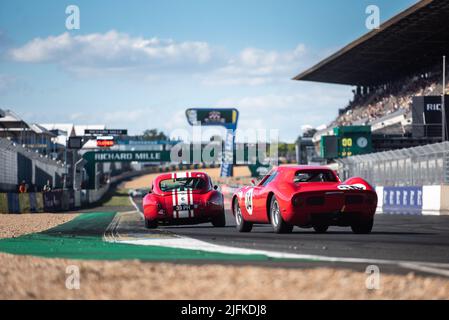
x=301, y=106
x=103, y=53
x=266, y=97
x=113, y=51
x=254, y=66
x=305, y=104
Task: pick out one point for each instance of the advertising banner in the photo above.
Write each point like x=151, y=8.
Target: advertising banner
x=427, y=115
x=402, y=200
x=212, y=117
x=226, y=117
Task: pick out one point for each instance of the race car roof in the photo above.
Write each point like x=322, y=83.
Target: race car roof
x=191, y=174
x=410, y=42
x=296, y=167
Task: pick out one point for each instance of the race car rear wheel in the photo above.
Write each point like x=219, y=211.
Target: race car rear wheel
x=320, y=228
x=362, y=226
x=241, y=224
x=150, y=224
x=278, y=223
x=219, y=221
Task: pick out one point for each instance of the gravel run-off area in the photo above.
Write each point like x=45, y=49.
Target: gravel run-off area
x=23, y=277
x=27, y=277
x=14, y=225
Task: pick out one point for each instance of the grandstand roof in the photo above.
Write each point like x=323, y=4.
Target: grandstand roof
x=11, y=121
x=408, y=43
x=38, y=129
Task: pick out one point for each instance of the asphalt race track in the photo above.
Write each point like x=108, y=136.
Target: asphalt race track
x=406, y=238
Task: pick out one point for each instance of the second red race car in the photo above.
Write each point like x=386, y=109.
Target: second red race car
x=183, y=198
x=305, y=196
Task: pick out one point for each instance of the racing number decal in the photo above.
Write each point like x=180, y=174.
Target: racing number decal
x=249, y=201
x=357, y=186
x=180, y=199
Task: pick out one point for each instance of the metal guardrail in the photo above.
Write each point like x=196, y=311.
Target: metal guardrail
x=423, y=165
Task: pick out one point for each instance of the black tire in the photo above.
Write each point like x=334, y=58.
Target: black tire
x=278, y=223
x=242, y=225
x=150, y=224
x=320, y=228
x=363, y=226
x=219, y=221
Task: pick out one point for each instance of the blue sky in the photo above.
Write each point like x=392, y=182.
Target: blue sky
x=140, y=64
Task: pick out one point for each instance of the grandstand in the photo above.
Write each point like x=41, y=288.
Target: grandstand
x=388, y=68
x=32, y=136
x=21, y=164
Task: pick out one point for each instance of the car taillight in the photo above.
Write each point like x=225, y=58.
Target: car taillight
x=369, y=199
x=298, y=201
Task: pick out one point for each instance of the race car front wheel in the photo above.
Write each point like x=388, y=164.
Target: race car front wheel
x=150, y=224
x=278, y=223
x=241, y=224
x=362, y=226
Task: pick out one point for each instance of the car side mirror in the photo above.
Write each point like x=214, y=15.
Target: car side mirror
x=215, y=187
x=253, y=182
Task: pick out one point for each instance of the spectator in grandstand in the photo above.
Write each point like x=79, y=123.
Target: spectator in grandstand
x=378, y=102
x=23, y=187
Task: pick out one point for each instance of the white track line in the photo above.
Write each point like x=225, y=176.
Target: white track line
x=182, y=242
x=425, y=268
x=135, y=206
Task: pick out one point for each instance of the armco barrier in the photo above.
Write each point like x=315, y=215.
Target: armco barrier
x=95, y=195
x=24, y=202
x=4, y=203
x=77, y=199
x=426, y=200
x=53, y=201
x=36, y=202
x=13, y=203
x=21, y=203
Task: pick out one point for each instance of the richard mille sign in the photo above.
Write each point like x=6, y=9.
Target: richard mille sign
x=118, y=156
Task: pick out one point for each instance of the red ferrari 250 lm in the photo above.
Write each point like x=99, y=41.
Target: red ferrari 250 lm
x=305, y=196
x=183, y=198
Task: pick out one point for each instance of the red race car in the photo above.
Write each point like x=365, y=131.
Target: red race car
x=183, y=198
x=305, y=196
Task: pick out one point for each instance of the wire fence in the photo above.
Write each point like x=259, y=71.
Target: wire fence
x=417, y=166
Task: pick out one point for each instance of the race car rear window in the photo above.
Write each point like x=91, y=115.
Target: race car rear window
x=268, y=178
x=305, y=176
x=182, y=184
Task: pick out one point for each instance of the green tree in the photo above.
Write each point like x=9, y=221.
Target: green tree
x=154, y=135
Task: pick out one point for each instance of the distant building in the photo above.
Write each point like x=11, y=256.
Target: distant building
x=29, y=135
x=65, y=130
